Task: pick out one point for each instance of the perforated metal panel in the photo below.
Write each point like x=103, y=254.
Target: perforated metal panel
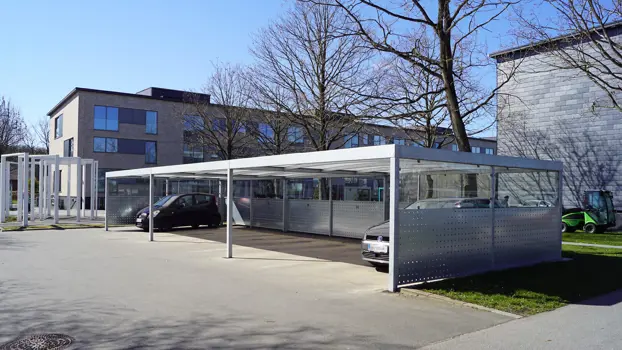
x=309, y=216
x=442, y=243
x=353, y=218
x=526, y=236
x=268, y=213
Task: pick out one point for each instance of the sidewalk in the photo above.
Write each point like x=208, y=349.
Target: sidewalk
x=593, y=324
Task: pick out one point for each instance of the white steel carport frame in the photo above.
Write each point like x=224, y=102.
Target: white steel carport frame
x=49, y=171
x=353, y=162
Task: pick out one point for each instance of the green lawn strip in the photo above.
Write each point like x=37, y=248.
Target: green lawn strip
x=544, y=287
x=608, y=238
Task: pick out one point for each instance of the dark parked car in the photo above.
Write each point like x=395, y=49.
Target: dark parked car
x=190, y=209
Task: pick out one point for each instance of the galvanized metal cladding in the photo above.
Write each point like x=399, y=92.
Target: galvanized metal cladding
x=40, y=342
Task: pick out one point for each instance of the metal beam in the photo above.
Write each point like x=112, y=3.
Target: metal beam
x=394, y=227
x=229, y=212
x=151, y=208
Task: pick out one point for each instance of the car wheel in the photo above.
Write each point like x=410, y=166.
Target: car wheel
x=564, y=227
x=195, y=226
x=589, y=228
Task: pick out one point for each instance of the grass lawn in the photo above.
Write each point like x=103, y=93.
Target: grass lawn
x=544, y=287
x=608, y=238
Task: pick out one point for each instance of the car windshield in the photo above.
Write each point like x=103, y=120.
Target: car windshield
x=162, y=201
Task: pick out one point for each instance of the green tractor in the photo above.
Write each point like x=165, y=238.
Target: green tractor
x=596, y=216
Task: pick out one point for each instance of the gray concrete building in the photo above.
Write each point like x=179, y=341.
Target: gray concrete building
x=134, y=130
x=549, y=112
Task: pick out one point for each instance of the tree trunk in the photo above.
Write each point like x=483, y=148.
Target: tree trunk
x=430, y=183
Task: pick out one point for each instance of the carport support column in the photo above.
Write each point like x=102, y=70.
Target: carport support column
x=3, y=192
x=150, y=207
x=56, y=187
x=385, y=196
x=229, y=212
x=24, y=193
x=394, y=198
x=250, y=199
x=493, y=196
x=166, y=190
x=285, y=206
x=68, y=194
x=105, y=203
x=79, y=179
x=32, y=188
x=330, y=206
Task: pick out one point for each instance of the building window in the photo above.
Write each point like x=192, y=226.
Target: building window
x=398, y=141
x=193, y=123
x=416, y=144
x=379, y=140
x=151, y=122
x=241, y=127
x=151, y=152
x=219, y=124
x=294, y=134
x=106, y=118
x=454, y=147
x=489, y=151
x=437, y=145
x=265, y=131
x=351, y=141
x=365, y=139
x=193, y=154
x=68, y=148
x=58, y=127
x=105, y=145
x=475, y=150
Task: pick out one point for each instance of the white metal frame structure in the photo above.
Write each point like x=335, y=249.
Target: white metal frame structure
x=356, y=162
x=49, y=168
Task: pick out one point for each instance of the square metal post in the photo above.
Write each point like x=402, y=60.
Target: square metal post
x=24, y=193
x=41, y=186
x=394, y=227
x=33, y=179
x=79, y=179
x=105, y=202
x=19, y=190
x=330, y=206
x=83, y=198
x=49, y=189
x=166, y=190
x=493, y=200
x=285, y=206
x=3, y=192
x=150, y=207
x=56, y=187
x=93, y=194
x=560, y=205
x=250, y=205
x=68, y=194
x=96, y=189
x=229, y=212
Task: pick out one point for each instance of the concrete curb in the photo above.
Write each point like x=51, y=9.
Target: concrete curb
x=420, y=293
x=593, y=245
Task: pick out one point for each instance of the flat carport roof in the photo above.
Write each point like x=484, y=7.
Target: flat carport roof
x=353, y=162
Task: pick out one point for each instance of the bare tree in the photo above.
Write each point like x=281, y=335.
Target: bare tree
x=12, y=127
x=41, y=133
x=444, y=47
x=310, y=72
x=581, y=37
x=219, y=126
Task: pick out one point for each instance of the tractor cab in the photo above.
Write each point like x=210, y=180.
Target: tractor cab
x=597, y=213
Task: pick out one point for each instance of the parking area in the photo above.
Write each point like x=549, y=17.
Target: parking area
x=335, y=249
x=115, y=289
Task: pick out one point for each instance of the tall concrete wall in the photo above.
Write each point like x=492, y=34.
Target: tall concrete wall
x=550, y=113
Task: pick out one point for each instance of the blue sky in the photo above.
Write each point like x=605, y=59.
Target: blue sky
x=49, y=47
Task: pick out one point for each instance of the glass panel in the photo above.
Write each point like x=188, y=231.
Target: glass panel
x=475, y=150
x=99, y=112
x=111, y=145
x=151, y=125
x=454, y=147
x=112, y=124
x=150, y=152
x=100, y=124
x=99, y=144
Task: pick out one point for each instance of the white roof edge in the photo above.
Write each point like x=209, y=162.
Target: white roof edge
x=441, y=155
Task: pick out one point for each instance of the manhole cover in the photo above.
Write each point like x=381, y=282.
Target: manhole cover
x=39, y=342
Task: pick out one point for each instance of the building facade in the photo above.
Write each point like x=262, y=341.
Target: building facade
x=546, y=112
x=125, y=131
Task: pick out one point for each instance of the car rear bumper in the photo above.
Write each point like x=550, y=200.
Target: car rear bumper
x=373, y=256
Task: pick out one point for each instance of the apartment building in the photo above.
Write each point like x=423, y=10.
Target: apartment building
x=133, y=130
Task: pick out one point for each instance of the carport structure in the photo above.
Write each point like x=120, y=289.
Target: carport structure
x=424, y=244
